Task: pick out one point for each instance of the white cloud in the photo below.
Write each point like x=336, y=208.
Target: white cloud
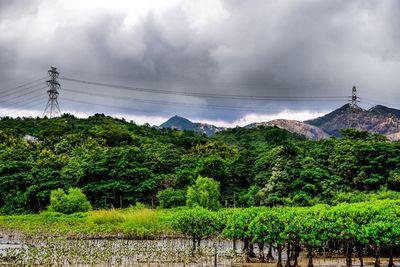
x=250, y=118
x=259, y=47
x=157, y=120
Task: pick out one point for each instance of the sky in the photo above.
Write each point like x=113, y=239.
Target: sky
x=226, y=62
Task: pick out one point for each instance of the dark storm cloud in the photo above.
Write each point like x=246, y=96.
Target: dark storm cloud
x=258, y=47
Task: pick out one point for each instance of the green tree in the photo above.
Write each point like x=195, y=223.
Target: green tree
x=269, y=227
x=170, y=198
x=238, y=228
x=394, y=180
x=204, y=193
x=197, y=223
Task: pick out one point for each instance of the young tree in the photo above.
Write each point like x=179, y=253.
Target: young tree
x=204, y=193
x=197, y=222
x=238, y=228
x=269, y=227
x=315, y=229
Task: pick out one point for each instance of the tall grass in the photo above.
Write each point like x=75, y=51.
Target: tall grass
x=106, y=217
x=132, y=222
x=135, y=222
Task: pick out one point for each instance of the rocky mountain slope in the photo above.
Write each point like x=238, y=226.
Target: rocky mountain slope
x=309, y=131
x=181, y=123
x=378, y=119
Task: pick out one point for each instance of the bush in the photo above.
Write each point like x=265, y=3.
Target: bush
x=74, y=201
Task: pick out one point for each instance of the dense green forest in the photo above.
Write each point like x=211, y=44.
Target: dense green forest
x=118, y=163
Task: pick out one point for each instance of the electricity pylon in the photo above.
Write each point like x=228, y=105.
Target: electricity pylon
x=52, y=108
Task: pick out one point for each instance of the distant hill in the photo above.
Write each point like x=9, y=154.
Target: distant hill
x=180, y=123
x=309, y=131
x=378, y=119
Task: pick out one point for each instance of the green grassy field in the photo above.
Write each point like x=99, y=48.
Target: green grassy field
x=124, y=223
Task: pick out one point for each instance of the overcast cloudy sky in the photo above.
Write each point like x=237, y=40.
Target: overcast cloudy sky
x=292, y=49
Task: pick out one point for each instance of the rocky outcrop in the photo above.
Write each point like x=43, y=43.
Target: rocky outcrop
x=309, y=131
x=379, y=119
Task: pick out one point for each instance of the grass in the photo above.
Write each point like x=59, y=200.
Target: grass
x=126, y=223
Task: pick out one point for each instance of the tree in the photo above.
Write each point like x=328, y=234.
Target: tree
x=74, y=201
x=216, y=167
x=238, y=228
x=352, y=134
x=170, y=198
x=394, y=180
x=269, y=227
x=204, y=193
x=315, y=229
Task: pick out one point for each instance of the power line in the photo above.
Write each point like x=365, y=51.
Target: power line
x=23, y=107
x=6, y=94
x=153, y=101
x=24, y=93
x=378, y=102
x=103, y=105
x=23, y=85
x=207, y=95
x=21, y=95
x=126, y=108
x=25, y=104
x=157, y=102
x=11, y=105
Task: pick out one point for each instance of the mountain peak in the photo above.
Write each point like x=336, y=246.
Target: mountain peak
x=349, y=108
x=181, y=123
x=383, y=110
x=378, y=119
x=177, y=122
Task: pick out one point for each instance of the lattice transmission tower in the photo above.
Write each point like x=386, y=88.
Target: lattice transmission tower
x=52, y=108
x=354, y=98
x=354, y=108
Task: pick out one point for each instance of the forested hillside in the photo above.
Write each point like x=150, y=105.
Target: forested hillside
x=117, y=163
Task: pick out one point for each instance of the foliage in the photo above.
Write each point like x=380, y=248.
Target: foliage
x=170, y=198
x=74, y=201
x=365, y=228
x=118, y=163
x=204, y=193
x=197, y=223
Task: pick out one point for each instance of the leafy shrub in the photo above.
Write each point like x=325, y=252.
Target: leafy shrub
x=74, y=201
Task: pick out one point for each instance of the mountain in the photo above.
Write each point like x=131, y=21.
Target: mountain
x=378, y=119
x=309, y=131
x=181, y=123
